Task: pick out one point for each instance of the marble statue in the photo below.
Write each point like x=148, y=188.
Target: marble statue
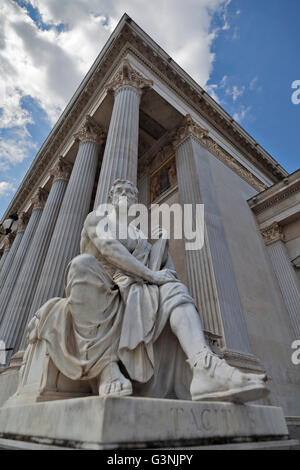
x=129, y=325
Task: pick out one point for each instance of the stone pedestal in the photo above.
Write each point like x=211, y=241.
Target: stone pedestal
x=129, y=422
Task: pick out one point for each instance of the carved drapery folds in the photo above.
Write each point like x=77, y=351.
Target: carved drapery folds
x=90, y=131
x=39, y=199
x=189, y=128
x=128, y=77
x=22, y=221
x=62, y=170
x=272, y=234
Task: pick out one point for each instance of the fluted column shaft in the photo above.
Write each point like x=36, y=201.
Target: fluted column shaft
x=198, y=263
x=65, y=241
x=7, y=324
x=11, y=253
x=209, y=271
x=3, y=258
x=288, y=282
x=20, y=295
x=121, y=150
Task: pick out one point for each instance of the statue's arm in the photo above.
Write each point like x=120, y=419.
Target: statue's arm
x=116, y=253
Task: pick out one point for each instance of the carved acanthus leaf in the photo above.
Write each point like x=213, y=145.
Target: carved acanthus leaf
x=128, y=76
x=90, y=131
x=188, y=129
x=272, y=234
x=22, y=221
x=62, y=170
x=8, y=241
x=39, y=199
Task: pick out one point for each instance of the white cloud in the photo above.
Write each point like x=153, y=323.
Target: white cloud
x=235, y=91
x=48, y=64
x=15, y=148
x=240, y=115
x=254, y=86
x=6, y=188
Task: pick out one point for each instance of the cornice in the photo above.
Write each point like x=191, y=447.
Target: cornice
x=272, y=233
x=258, y=207
x=128, y=41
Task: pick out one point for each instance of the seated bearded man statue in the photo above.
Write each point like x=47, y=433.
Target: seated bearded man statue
x=132, y=326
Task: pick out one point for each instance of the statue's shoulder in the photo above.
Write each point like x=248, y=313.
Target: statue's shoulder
x=91, y=219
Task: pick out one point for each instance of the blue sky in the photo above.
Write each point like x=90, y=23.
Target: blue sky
x=244, y=52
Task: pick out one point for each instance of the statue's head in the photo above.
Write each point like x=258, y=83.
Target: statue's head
x=123, y=191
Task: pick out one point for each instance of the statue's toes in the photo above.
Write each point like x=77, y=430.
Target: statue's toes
x=115, y=388
x=104, y=390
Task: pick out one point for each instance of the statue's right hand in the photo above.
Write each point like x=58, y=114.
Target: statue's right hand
x=164, y=276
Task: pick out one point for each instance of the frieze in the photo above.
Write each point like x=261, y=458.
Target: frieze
x=275, y=199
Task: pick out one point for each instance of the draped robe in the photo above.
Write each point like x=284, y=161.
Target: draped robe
x=117, y=317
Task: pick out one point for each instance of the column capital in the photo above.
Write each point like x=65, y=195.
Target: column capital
x=127, y=76
x=188, y=128
x=39, y=198
x=272, y=233
x=61, y=170
x=22, y=221
x=8, y=241
x=90, y=131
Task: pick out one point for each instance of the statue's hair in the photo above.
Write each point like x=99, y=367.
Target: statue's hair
x=122, y=181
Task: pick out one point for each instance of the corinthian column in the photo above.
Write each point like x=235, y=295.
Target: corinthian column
x=3, y=257
x=65, y=241
x=19, y=295
x=121, y=150
x=210, y=272
x=11, y=245
x=285, y=273
x=7, y=324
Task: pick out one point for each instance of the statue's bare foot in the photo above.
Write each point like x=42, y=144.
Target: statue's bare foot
x=215, y=380
x=113, y=383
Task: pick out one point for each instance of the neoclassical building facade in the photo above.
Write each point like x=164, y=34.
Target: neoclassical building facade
x=137, y=115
